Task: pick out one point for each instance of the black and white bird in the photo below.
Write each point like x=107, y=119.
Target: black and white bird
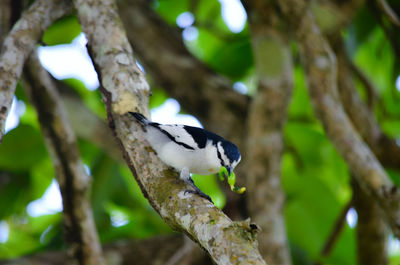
x=190, y=149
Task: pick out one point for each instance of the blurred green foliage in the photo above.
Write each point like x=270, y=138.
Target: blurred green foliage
x=314, y=176
x=62, y=31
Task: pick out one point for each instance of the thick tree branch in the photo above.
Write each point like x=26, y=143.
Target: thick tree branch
x=320, y=67
x=125, y=89
x=80, y=229
x=18, y=45
x=198, y=89
x=267, y=116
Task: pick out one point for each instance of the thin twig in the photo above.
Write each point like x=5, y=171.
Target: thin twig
x=372, y=91
x=80, y=229
x=335, y=233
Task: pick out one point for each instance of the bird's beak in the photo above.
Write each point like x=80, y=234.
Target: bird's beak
x=229, y=169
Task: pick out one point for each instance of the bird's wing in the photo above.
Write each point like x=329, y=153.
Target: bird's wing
x=189, y=137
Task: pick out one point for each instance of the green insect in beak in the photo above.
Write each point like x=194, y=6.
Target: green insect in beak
x=230, y=175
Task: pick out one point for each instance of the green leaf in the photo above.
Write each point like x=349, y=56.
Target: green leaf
x=171, y=9
x=233, y=58
x=308, y=219
x=29, y=234
x=300, y=106
x=209, y=185
x=14, y=193
x=158, y=97
x=91, y=98
x=62, y=31
x=392, y=128
x=208, y=16
x=394, y=260
x=22, y=148
x=41, y=176
x=360, y=29
x=140, y=223
x=394, y=175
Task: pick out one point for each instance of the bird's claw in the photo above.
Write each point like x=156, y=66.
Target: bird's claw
x=200, y=193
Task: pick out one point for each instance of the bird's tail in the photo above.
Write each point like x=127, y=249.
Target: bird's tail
x=140, y=118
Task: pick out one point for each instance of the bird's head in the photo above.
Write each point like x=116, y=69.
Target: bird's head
x=229, y=157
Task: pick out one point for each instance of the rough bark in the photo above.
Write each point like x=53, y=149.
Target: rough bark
x=267, y=116
x=124, y=89
x=18, y=45
x=320, y=66
x=372, y=232
x=79, y=227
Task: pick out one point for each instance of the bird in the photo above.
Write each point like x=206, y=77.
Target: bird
x=190, y=150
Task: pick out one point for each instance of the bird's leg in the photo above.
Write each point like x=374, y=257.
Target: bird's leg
x=185, y=176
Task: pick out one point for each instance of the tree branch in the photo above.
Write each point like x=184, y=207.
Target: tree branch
x=198, y=89
x=19, y=44
x=80, y=229
x=267, y=116
x=320, y=67
x=124, y=89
